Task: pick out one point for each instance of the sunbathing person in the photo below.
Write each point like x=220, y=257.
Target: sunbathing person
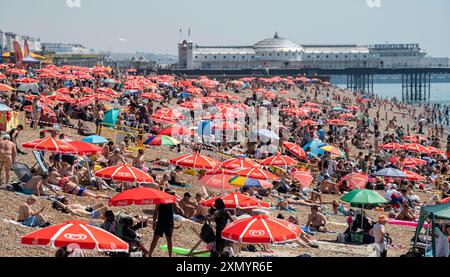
x=406, y=214
x=64, y=205
x=116, y=158
x=316, y=220
x=34, y=186
x=70, y=187
x=327, y=186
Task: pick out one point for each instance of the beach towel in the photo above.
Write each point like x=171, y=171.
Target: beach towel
x=187, y=186
x=15, y=223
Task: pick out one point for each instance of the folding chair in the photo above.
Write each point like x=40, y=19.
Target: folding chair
x=40, y=162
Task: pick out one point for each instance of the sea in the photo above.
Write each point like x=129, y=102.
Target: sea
x=440, y=92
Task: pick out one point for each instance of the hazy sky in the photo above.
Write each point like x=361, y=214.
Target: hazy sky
x=153, y=26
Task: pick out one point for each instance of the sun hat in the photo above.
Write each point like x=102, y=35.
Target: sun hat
x=382, y=218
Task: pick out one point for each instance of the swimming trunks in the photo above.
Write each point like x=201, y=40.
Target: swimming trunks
x=5, y=161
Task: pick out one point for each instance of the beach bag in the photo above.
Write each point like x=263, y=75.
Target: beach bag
x=207, y=233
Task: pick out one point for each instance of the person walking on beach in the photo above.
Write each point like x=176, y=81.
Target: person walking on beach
x=14, y=134
x=99, y=116
x=163, y=225
x=7, y=156
x=379, y=233
x=221, y=217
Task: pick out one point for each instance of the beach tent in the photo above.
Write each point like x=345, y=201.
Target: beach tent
x=30, y=60
x=204, y=128
x=111, y=117
x=315, y=146
x=434, y=214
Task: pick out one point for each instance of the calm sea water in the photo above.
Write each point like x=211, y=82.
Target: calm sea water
x=440, y=92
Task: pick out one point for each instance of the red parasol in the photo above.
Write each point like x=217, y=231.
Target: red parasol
x=355, y=180
x=142, y=196
x=218, y=179
x=415, y=147
x=52, y=145
x=279, y=160
x=303, y=177
x=236, y=163
x=256, y=173
x=414, y=162
x=125, y=173
x=78, y=234
x=84, y=148
x=196, y=161
x=234, y=200
x=176, y=130
x=261, y=229
x=294, y=149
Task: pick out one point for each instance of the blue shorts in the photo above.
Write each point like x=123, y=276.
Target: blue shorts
x=31, y=221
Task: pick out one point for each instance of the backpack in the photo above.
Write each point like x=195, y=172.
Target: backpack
x=207, y=233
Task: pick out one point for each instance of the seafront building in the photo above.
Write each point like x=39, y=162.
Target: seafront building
x=278, y=53
x=7, y=39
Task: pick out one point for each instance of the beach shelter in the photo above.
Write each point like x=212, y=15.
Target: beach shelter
x=261, y=229
x=315, y=146
x=433, y=214
x=111, y=117
x=204, y=128
x=77, y=233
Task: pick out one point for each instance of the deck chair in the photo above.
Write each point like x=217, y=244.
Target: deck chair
x=83, y=129
x=40, y=162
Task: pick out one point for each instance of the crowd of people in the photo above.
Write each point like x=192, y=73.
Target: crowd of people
x=370, y=124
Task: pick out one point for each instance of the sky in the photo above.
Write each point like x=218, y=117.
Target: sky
x=153, y=25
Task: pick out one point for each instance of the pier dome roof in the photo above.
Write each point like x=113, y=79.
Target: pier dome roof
x=277, y=44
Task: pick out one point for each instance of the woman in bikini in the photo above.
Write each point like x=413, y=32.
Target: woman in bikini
x=70, y=187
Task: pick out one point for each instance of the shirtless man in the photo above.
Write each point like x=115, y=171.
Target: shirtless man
x=316, y=220
x=327, y=186
x=99, y=116
x=187, y=205
x=7, y=156
x=116, y=158
x=28, y=217
x=34, y=186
